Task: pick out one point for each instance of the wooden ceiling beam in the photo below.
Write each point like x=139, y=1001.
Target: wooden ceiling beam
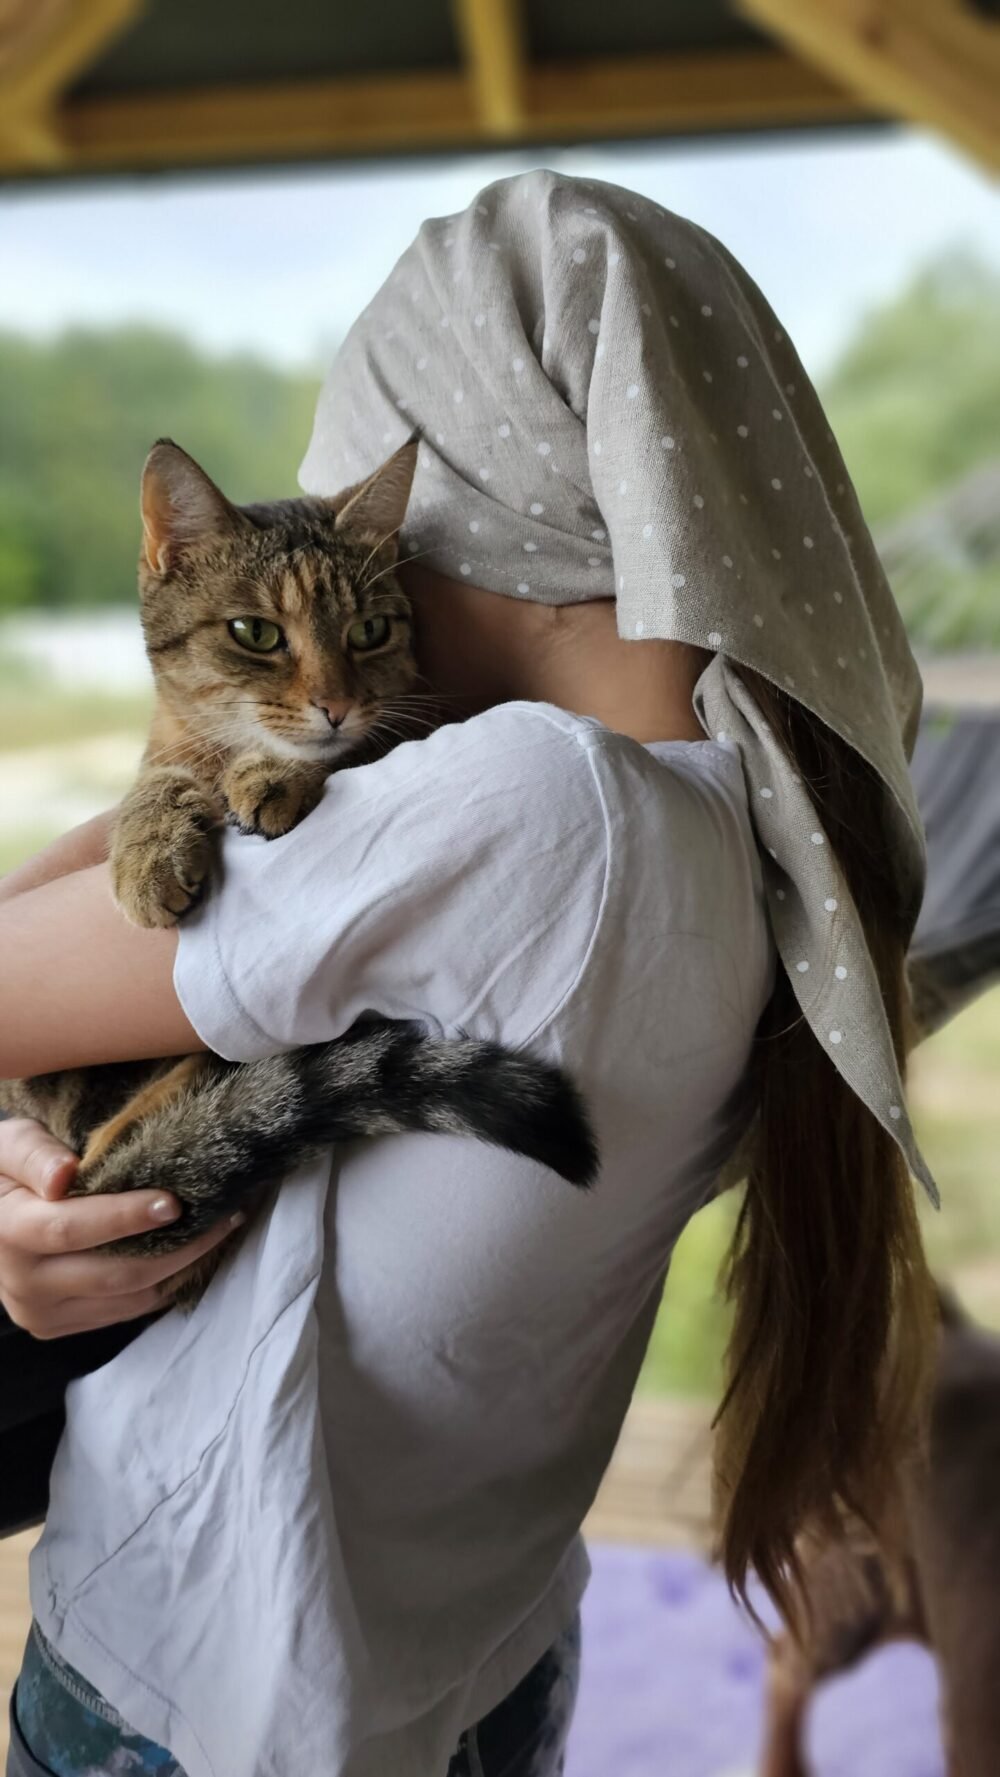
x=44, y=44
x=679, y=93
x=283, y=121
x=933, y=62
x=492, y=40
x=651, y=95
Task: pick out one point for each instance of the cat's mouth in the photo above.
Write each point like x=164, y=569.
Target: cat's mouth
x=321, y=746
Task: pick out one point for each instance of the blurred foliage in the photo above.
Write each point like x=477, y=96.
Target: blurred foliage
x=33, y=715
x=689, y=1339
x=77, y=417
x=948, y=608
x=915, y=401
x=953, y=1095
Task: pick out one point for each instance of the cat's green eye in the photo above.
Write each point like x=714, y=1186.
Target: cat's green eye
x=256, y=633
x=368, y=632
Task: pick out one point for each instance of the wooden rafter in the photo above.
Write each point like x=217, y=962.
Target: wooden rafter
x=934, y=62
x=491, y=36
x=43, y=45
x=314, y=119
x=674, y=93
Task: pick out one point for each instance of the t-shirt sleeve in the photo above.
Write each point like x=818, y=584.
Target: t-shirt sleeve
x=458, y=881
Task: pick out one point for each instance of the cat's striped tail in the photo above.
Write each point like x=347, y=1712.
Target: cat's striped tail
x=240, y=1127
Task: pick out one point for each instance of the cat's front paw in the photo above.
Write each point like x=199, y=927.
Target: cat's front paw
x=268, y=797
x=161, y=854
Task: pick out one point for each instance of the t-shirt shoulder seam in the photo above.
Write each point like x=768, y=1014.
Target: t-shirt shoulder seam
x=708, y=753
x=574, y=728
x=581, y=971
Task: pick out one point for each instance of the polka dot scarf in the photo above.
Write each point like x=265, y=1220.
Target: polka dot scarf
x=608, y=407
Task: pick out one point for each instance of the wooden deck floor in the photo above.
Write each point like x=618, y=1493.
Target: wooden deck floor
x=15, y=1618
x=655, y=1492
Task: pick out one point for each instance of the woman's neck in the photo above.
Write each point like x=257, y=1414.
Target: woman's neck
x=479, y=648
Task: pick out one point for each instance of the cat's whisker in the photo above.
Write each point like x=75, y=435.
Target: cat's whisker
x=402, y=727
x=406, y=721
x=420, y=713
x=389, y=728
x=396, y=706
x=382, y=540
x=433, y=696
x=388, y=714
x=418, y=702
x=423, y=697
x=391, y=568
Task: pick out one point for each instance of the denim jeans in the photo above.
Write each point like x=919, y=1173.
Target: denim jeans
x=61, y=1727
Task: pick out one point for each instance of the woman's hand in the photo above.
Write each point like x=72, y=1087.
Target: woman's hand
x=52, y=1280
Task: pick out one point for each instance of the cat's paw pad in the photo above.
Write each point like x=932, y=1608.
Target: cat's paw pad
x=160, y=873
x=268, y=805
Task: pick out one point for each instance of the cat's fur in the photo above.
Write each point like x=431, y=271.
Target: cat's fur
x=250, y=735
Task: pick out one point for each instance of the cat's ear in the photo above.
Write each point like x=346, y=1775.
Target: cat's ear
x=374, y=510
x=180, y=505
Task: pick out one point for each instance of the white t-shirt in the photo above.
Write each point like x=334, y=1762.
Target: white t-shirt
x=332, y=1518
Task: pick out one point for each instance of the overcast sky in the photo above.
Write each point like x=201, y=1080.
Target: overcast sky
x=282, y=263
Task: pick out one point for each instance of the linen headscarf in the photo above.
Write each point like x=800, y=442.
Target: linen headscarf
x=608, y=407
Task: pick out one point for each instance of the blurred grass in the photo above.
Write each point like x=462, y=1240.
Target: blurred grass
x=685, y=1352
x=955, y=1098
x=15, y=847
x=33, y=716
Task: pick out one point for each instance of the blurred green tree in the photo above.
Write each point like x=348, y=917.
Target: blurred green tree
x=77, y=417
x=915, y=400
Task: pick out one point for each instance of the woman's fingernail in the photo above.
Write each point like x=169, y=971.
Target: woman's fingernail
x=237, y=1220
x=55, y=1170
x=164, y=1210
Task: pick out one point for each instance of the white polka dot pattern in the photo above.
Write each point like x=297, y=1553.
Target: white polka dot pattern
x=585, y=369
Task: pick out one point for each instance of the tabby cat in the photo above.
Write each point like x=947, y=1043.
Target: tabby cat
x=280, y=640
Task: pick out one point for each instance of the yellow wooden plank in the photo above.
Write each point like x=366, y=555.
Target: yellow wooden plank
x=60, y=40
x=934, y=62
x=667, y=94
x=29, y=138
x=26, y=26
x=491, y=37
x=271, y=122
x=15, y=1618
x=315, y=119
x=43, y=46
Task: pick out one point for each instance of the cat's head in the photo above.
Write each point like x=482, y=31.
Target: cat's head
x=282, y=627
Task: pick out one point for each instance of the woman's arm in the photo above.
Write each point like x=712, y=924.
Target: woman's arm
x=79, y=985
x=79, y=849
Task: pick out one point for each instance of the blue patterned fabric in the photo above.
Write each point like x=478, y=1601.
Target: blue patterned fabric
x=62, y=1727
x=525, y=1736
x=69, y=1730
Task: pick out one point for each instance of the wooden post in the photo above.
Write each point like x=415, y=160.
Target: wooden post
x=43, y=45
x=491, y=37
x=934, y=62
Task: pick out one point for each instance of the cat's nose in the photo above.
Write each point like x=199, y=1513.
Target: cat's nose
x=333, y=711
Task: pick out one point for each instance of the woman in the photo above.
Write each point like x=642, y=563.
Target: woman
x=331, y=1522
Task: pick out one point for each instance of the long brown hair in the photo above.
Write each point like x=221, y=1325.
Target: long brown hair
x=829, y=1360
